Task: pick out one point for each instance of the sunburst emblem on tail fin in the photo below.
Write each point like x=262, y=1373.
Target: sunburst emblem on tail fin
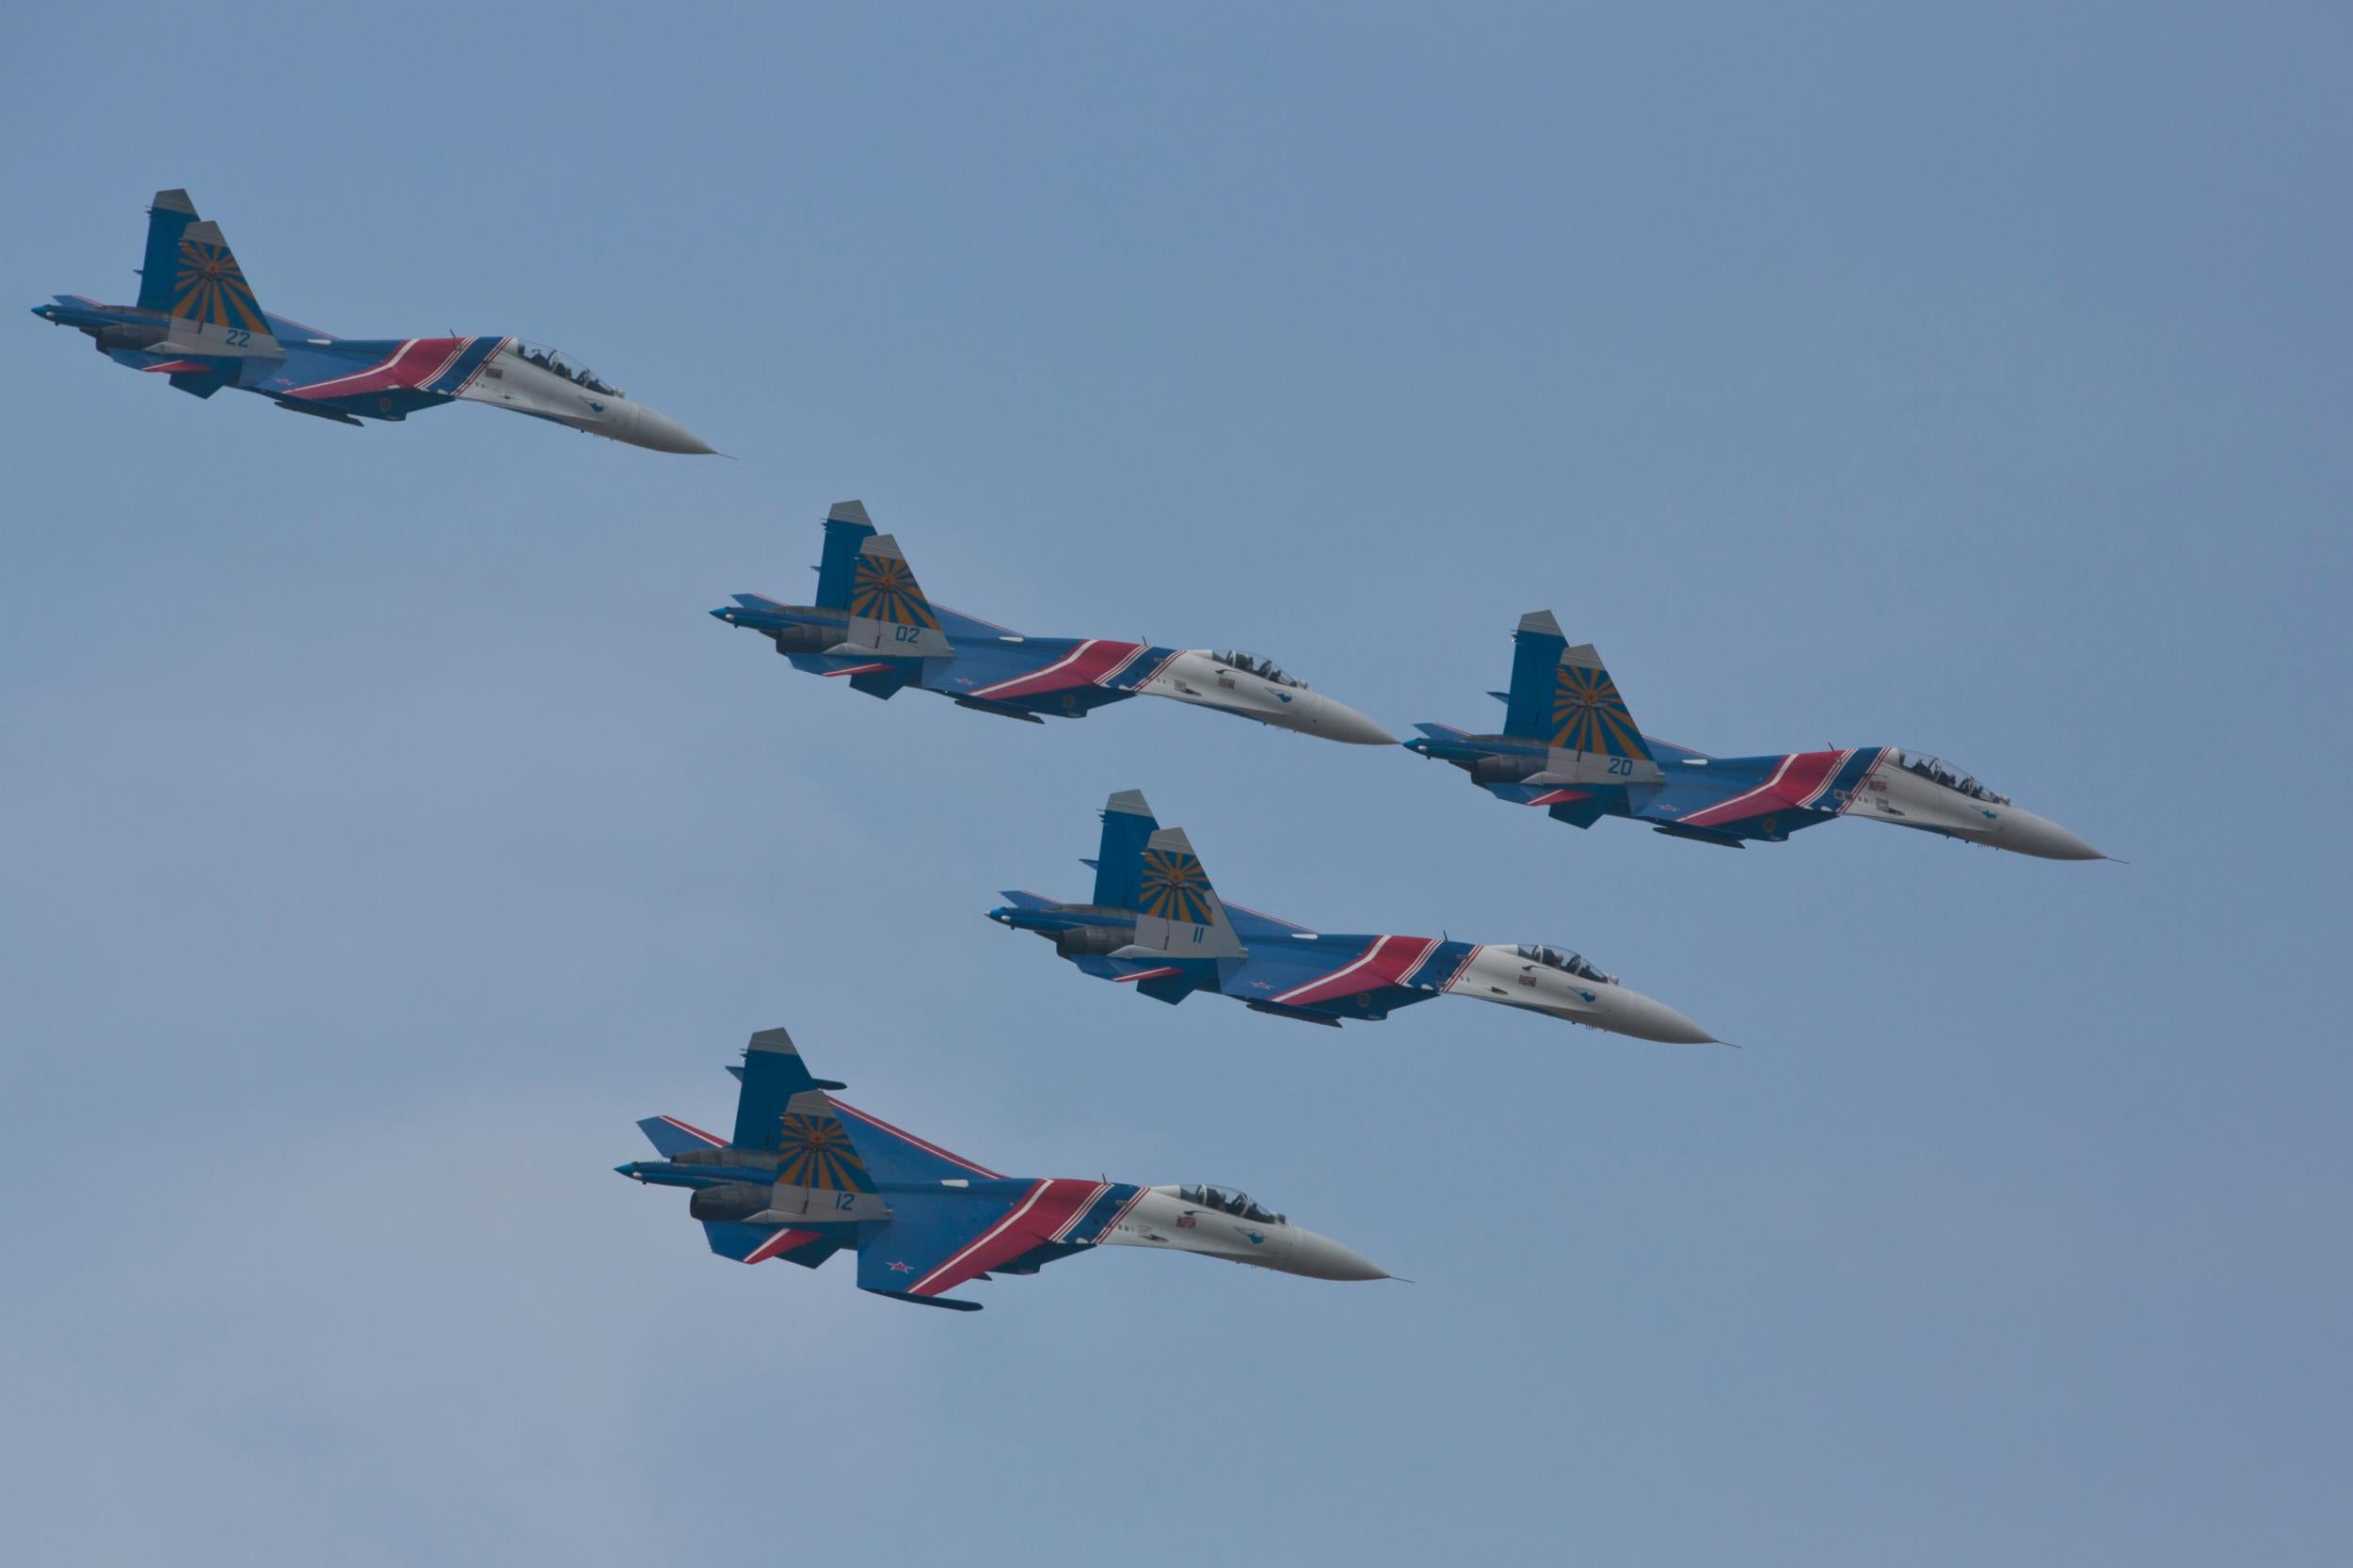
x=884, y=589
x=1588, y=715
x=818, y=1153
x=1174, y=887
x=209, y=288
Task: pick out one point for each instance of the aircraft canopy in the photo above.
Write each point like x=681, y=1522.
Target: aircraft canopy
x=1251, y=664
x=1560, y=958
x=571, y=370
x=1227, y=1200
x=1937, y=771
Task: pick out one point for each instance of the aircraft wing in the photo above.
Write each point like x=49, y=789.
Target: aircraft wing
x=935, y=1241
x=1252, y=925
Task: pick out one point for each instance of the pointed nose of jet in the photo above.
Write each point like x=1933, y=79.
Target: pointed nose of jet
x=1321, y=1258
x=2042, y=838
x=1338, y=720
x=1626, y=1012
x=643, y=427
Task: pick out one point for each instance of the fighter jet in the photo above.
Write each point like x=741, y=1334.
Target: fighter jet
x=805, y=1175
x=1156, y=923
x=872, y=626
x=1569, y=745
x=198, y=325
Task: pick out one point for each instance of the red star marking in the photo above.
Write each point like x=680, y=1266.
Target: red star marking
x=902, y=1268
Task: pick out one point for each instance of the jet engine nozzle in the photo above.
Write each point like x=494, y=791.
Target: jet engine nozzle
x=729, y=1200
x=805, y=639
x=133, y=335
x=1500, y=769
x=1091, y=941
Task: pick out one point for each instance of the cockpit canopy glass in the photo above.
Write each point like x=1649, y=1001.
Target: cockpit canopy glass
x=1558, y=958
x=1250, y=664
x=1227, y=1200
x=571, y=370
x=1937, y=771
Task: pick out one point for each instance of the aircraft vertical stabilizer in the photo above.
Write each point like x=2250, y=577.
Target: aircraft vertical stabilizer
x=208, y=287
x=1180, y=914
x=1536, y=649
x=1127, y=827
x=168, y=218
x=846, y=531
x=889, y=611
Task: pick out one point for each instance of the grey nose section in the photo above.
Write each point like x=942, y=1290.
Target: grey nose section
x=1321, y=1258
x=1338, y=720
x=1646, y=1018
x=661, y=433
x=2045, y=839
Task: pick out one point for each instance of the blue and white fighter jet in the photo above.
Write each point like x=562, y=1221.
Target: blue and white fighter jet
x=873, y=626
x=803, y=1176
x=198, y=325
x=1570, y=745
x=1156, y=923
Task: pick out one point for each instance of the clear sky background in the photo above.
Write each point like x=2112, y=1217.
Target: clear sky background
x=387, y=826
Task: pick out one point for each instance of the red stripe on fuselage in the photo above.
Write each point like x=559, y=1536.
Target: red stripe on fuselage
x=412, y=365
x=1089, y=662
x=1801, y=775
x=1048, y=1210
x=1388, y=962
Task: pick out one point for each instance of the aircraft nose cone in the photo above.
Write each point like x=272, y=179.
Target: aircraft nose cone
x=1321, y=1258
x=1647, y=1019
x=661, y=433
x=1338, y=720
x=2045, y=839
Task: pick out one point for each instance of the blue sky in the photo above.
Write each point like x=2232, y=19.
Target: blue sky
x=391, y=827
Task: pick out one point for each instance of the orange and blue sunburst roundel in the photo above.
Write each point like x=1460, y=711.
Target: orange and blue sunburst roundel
x=884, y=589
x=818, y=1153
x=1588, y=715
x=209, y=288
x=1174, y=887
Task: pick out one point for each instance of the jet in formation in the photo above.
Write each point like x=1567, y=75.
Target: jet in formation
x=1156, y=923
x=1570, y=745
x=872, y=626
x=198, y=325
x=805, y=1175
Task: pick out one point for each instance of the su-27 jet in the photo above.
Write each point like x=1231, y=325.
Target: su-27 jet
x=803, y=1176
x=1570, y=745
x=873, y=626
x=1156, y=923
x=198, y=325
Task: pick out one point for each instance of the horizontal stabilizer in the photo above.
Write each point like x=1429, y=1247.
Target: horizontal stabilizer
x=1171, y=989
x=670, y=1136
